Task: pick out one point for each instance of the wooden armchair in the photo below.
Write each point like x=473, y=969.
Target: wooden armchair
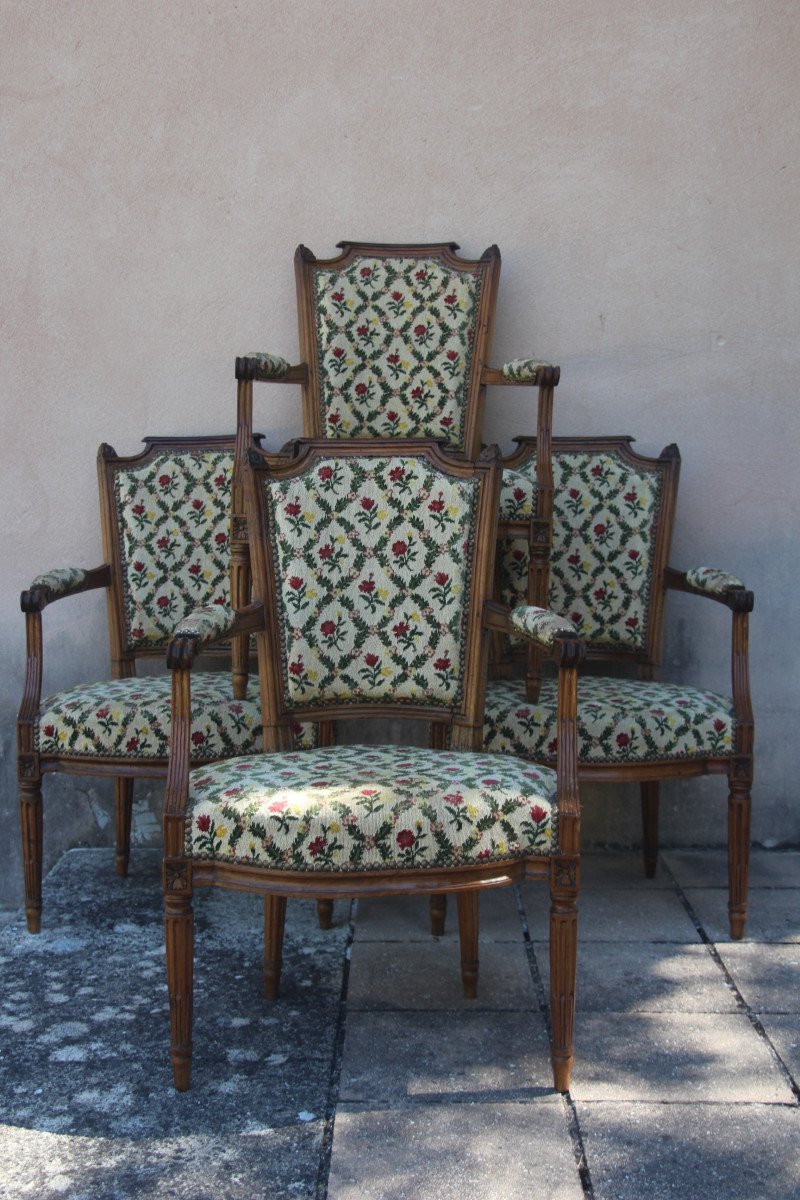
x=420, y=527
x=165, y=519
x=613, y=517
x=395, y=341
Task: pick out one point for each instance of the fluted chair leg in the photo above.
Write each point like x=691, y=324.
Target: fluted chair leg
x=123, y=808
x=738, y=855
x=468, y=937
x=30, y=810
x=274, y=923
x=179, y=934
x=649, y=793
x=563, y=967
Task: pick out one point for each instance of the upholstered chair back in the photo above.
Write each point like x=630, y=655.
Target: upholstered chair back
x=612, y=523
x=376, y=562
x=396, y=337
x=166, y=527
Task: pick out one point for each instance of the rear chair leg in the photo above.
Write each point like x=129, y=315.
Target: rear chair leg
x=738, y=854
x=649, y=791
x=468, y=937
x=30, y=811
x=438, y=913
x=123, y=805
x=179, y=935
x=274, y=922
x=325, y=914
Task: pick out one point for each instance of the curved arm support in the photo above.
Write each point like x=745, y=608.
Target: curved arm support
x=522, y=372
x=270, y=368
x=204, y=626
x=734, y=595
x=64, y=581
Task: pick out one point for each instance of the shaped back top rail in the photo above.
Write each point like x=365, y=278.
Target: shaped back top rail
x=391, y=546
x=613, y=511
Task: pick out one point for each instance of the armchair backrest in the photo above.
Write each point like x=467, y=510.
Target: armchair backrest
x=166, y=519
x=374, y=563
x=613, y=511
x=396, y=337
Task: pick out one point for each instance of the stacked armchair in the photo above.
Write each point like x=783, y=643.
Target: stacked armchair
x=385, y=563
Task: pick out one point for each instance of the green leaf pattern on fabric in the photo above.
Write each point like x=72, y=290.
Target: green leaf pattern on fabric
x=56, y=583
x=174, y=517
x=517, y=493
x=130, y=718
x=711, y=579
x=207, y=624
x=270, y=366
x=523, y=370
x=373, y=580
x=619, y=720
x=395, y=339
x=605, y=514
x=367, y=808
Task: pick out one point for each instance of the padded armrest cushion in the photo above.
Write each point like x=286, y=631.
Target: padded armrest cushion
x=59, y=582
x=711, y=579
x=207, y=624
x=267, y=366
x=541, y=624
x=523, y=370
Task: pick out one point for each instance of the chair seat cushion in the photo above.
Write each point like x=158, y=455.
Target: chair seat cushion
x=370, y=808
x=619, y=720
x=517, y=494
x=130, y=719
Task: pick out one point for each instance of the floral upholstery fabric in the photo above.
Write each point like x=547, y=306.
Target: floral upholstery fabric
x=517, y=496
x=394, y=339
x=523, y=370
x=173, y=516
x=710, y=579
x=367, y=808
x=269, y=366
x=373, y=580
x=56, y=583
x=130, y=718
x=540, y=624
x=619, y=720
x=206, y=624
x=604, y=524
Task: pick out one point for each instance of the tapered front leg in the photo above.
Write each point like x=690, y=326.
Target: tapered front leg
x=468, y=937
x=563, y=965
x=274, y=922
x=738, y=854
x=123, y=808
x=649, y=792
x=179, y=933
x=30, y=811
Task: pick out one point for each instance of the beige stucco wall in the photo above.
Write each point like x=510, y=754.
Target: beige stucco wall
x=635, y=161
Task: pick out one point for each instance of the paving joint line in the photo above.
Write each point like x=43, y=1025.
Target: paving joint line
x=731, y=982
x=568, y=1104
x=334, y=1079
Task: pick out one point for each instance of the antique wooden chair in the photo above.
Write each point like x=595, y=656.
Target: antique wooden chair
x=372, y=566
x=165, y=518
x=395, y=341
x=613, y=517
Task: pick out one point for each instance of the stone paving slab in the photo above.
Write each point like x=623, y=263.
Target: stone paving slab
x=428, y=1056
x=643, y=977
x=427, y=975
x=679, y=1151
x=773, y=914
x=783, y=1030
x=709, y=868
x=454, y=1152
x=767, y=976
x=617, y=915
x=407, y=918
x=674, y=1057
x=620, y=869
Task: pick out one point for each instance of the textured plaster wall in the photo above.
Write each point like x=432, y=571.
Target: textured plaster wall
x=636, y=162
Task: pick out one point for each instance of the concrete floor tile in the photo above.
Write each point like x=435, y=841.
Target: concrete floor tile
x=768, y=976
x=679, y=1152
x=616, y=915
x=453, y=1151
x=641, y=977
x=783, y=1030
x=428, y=1056
x=709, y=868
x=619, y=869
x=674, y=1057
x=427, y=975
x=773, y=913
x=407, y=918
